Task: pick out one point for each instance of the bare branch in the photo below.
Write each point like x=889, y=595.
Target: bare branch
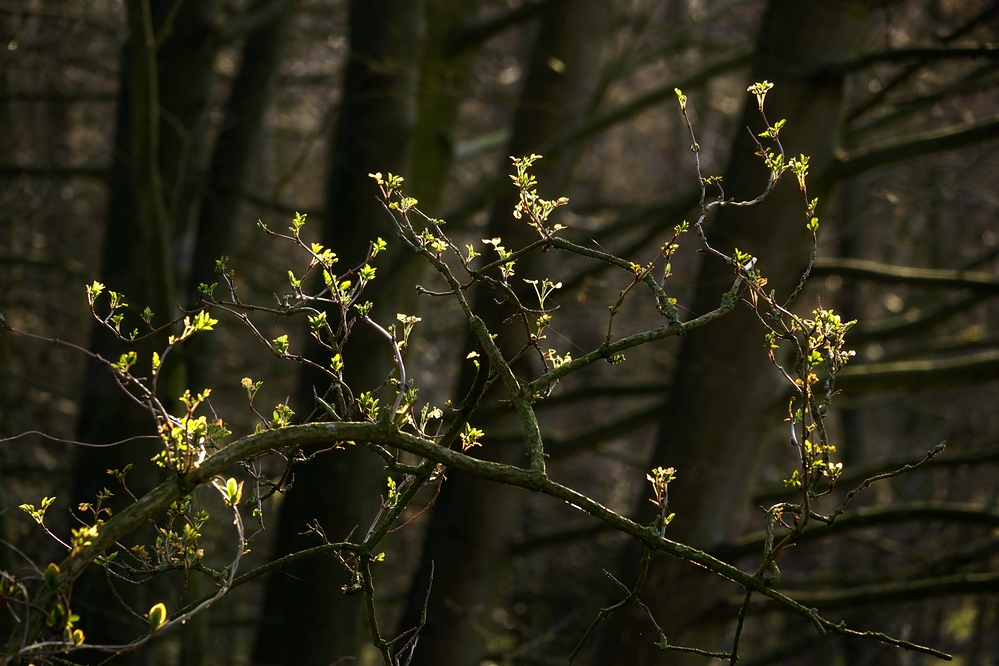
x=924, y=277
x=923, y=54
x=983, y=366
x=908, y=147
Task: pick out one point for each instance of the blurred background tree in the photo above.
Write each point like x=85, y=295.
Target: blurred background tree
x=143, y=174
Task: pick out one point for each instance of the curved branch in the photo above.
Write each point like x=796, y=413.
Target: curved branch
x=915, y=320
x=472, y=36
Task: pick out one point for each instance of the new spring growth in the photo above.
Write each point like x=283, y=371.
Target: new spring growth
x=231, y=491
x=157, y=616
x=660, y=479
x=760, y=90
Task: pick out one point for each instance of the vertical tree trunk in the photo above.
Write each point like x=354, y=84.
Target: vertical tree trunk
x=307, y=619
x=471, y=524
x=723, y=381
x=138, y=262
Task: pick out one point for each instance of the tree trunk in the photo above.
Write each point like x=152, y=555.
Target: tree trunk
x=307, y=619
x=724, y=383
x=133, y=234
x=471, y=525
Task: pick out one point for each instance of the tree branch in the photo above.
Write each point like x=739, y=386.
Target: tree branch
x=935, y=278
x=905, y=148
x=857, y=473
x=251, y=21
x=920, y=53
x=602, y=121
x=983, y=366
x=899, y=591
x=55, y=170
x=471, y=37
x=950, y=512
x=916, y=320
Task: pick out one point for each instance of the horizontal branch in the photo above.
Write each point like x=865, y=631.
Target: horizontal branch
x=915, y=320
x=908, y=147
x=983, y=366
x=978, y=551
x=56, y=96
x=900, y=591
x=951, y=512
x=561, y=447
x=920, y=53
x=55, y=171
x=856, y=473
x=935, y=278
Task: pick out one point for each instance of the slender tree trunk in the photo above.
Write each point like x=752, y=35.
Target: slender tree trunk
x=723, y=382
x=471, y=524
x=308, y=620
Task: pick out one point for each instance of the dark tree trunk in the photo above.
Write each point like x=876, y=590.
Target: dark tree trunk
x=472, y=523
x=307, y=619
x=184, y=68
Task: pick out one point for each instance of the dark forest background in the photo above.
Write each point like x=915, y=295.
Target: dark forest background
x=265, y=108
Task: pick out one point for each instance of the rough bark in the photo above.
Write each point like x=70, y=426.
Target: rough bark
x=471, y=524
x=723, y=381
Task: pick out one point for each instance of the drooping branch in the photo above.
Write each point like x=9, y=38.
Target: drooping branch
x=972, y=82
x=916, y=320
x=909, y=70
